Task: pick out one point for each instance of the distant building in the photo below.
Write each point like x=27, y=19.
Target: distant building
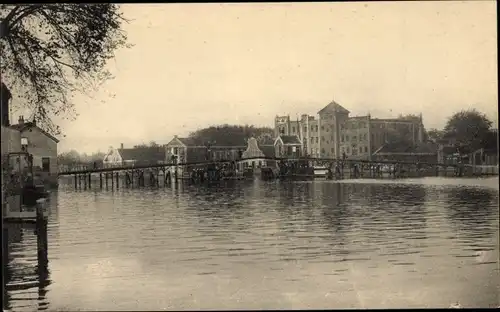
x=136, y=156
x=257, y=156
x=334, y=134
x=189, y=150
x=43, y=146
x=288, y=146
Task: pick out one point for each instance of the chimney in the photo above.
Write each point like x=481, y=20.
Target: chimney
x=121, y=145
x=21, y=120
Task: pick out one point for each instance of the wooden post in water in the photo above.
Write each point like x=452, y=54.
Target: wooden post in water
x=112, y=180
x=100, y=180
x=90, y=176
x=76, y=181
x=84, y=176
x=41, y=235
x=106, y=177
x=117, y=179
x=79, y=181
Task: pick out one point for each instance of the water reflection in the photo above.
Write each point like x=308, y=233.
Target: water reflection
x=265, y=245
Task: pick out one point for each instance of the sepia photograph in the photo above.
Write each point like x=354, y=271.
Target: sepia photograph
x=249, y=156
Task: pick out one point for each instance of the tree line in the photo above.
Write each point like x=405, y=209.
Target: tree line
x=467, y=130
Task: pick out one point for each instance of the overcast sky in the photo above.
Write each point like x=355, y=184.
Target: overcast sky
x=195, y=65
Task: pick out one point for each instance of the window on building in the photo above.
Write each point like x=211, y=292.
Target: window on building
x=322, y=151
x=347, y=138
x=360, y=149
x=366, y=149
x=316, y=127
x=354, y=138
x=354, y=151
x=332, y=150
x=342, y=138
x=305, y=129
x=342, y=150
x=293, y=129
x=317, y=140
x=45, y=164
x=322, y=128
x=347, y=150
x=312, y=139
x=322, y=139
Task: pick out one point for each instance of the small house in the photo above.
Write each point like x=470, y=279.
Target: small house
x=136, y=156
x=257, y=156
x=287, y=146
x=43, y=146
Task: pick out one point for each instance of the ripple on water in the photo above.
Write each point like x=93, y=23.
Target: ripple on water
x=260, y=245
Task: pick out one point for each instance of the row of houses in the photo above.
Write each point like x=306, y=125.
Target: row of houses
x=190, y=150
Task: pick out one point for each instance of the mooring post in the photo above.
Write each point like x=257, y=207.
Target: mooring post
x=5, y=244
x=41, y=234
x=117, y=179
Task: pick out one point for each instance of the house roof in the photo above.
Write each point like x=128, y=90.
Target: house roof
x=29, y=125
x=149, y=153
x=189, y=141
x=268, y=150
x=290, y=139
x=334, y=107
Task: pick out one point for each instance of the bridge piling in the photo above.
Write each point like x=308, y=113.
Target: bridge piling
x=106, y=178
x=90, y=179
x=79, y=181
x=100, y=180
x=112, y=181
x=76, y=182
x=117, y=180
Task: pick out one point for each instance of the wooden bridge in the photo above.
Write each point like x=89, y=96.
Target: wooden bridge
x=324, y=162
x=293, y=167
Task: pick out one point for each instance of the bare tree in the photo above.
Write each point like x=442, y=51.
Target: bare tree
x=48, y=51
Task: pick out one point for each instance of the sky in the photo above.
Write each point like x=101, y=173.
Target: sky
x=196, y=65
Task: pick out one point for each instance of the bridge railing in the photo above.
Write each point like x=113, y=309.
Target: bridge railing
x=323, y=161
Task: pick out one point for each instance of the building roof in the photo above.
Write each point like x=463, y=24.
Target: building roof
x=146, y=154
x=189, y=141
x=268, y=150
x=29, y=125
x=334, y=107
x=290, y=139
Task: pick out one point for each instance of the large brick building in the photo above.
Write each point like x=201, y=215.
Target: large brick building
x=333, y=133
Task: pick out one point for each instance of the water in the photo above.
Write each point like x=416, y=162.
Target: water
x=254, y=245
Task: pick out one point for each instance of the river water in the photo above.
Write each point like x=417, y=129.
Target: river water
x=427, y=242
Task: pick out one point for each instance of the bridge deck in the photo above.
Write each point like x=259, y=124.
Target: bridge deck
x=203, y=163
